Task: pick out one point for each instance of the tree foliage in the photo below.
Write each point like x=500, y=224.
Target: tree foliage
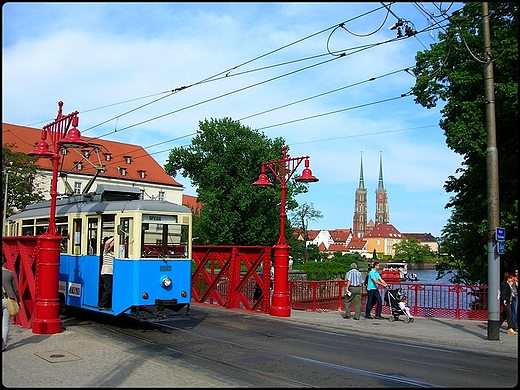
x=452, y=71
x=20, y=172
x=412, y=251
x=334, y=268
x=302, y=215
x=223, y=161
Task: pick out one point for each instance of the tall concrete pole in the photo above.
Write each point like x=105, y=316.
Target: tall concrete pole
x=493, y=329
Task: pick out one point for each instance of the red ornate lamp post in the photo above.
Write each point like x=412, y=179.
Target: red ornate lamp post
x=46, y=319
x=283, y=170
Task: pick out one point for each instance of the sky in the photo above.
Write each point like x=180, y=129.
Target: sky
x=329, y=78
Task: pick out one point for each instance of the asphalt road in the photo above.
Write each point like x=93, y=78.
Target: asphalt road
x=215, y=347
x=259, y=350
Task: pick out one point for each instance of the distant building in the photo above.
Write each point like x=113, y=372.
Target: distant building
x=382, y=238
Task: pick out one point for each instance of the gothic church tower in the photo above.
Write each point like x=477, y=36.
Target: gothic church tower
x=360, y=207
x=382, y=213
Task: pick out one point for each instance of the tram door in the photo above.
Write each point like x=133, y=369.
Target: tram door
x=91, y=262
x=107, y=230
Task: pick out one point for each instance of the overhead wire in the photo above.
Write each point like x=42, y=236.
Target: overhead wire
x=227, y=74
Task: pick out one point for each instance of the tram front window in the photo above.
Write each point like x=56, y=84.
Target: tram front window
x=161, y=240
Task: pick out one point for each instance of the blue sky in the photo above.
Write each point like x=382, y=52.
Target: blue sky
x=277, y=67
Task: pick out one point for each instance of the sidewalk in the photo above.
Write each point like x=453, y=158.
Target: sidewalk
x=78, y=357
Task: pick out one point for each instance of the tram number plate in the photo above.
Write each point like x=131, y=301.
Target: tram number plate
x=164, y=268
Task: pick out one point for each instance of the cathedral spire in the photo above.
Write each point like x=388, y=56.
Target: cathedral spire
x=382, y=214
x=361, y=179
x=381, y=186
x=360, y=207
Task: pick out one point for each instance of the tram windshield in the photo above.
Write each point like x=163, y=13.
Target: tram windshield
x=161, y=240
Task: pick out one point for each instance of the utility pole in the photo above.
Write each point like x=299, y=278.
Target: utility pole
x=493, y=329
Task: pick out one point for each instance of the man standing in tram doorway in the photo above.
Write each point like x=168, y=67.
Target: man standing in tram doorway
x=107, y=271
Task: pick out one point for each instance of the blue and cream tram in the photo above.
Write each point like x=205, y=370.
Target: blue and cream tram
x=152, y=256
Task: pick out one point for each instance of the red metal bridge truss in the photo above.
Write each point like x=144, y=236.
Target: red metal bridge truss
x=21, y=255
x=228, y=275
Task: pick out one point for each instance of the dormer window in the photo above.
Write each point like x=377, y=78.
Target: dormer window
x=128, y=159
x=108, y=156
x=64, y=151
x=123, y=171
x=142, y=174
x=86, y=153
x=79, y=165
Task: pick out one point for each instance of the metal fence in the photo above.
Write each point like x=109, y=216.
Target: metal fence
x=424, y=300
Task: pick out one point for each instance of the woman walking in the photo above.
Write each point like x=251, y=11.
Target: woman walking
x=506, y=296
x=10, y=290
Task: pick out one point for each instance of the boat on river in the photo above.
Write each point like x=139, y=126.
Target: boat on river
x=395, y=272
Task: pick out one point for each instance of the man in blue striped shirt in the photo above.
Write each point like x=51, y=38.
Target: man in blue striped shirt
x=354, y=282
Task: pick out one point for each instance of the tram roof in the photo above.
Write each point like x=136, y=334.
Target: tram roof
x=106, y=198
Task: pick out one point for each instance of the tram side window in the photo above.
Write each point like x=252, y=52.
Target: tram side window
x=108, y=224
x=76, y=227
x=28, y=227
x=62, y=228
x=92, y=236
x=125, y=230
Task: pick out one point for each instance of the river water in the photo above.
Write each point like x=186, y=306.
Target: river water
x=428, y=276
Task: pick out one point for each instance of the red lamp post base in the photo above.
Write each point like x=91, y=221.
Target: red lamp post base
x=281, y=304
x=46, y=318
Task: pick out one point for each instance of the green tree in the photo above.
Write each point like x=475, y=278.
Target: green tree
x=334, y=268
x=223, y=161
x=22, y=173
x=314, y=254
x=412, y=251
x=452, y=71
x=300, y=220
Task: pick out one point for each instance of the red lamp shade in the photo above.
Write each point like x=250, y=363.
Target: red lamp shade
x=307, y=176
x=263, y=180
x=72, y=140
x=42, y=150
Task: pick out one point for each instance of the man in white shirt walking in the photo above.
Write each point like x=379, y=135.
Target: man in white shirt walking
x=354, y=281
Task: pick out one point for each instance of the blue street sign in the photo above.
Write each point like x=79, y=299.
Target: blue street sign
x=500, y=234
x=501, y=247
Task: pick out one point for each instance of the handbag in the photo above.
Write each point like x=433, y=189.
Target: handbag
x=12, y=306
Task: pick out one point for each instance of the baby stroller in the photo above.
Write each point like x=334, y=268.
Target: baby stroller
x=392, y=298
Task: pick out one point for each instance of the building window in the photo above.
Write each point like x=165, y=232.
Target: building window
x=108, y=156
x=142, y=174
x=86, y=153
x=77, y=187
x=161, y=195
x=63, y=151
x=128, y=159
x=123, y=171
x=79, y=165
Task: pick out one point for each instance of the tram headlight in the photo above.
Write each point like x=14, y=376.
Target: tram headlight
x=184, y=294
x=166, y=281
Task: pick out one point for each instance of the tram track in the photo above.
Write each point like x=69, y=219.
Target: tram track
x=227, y=361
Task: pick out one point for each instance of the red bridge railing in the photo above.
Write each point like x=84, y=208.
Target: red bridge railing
x=424, y=300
